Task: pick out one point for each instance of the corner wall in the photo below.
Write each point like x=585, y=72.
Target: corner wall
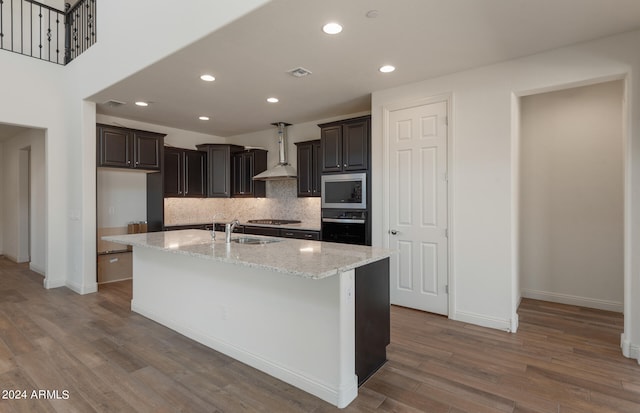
x=483, y=218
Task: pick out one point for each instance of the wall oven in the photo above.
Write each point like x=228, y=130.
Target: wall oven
x=344, y=191
x=345, y=226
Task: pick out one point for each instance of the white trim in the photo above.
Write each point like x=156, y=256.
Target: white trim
x=573, y=300
x=78, y=288
x=516, y=294
x=629, y=349
x=484, y=321
x=36, y=268
x=406, y=104
x=48, y=283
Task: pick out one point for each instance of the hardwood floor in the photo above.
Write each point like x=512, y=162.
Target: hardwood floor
x=563, y=359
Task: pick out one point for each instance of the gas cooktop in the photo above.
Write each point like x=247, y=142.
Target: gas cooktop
x=273, y=221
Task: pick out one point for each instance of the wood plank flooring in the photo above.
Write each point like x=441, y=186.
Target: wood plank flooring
x=563, y=359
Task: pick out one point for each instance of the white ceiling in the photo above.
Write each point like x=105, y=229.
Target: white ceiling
x=422, y=38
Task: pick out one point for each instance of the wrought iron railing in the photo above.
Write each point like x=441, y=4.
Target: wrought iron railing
x=37, y=30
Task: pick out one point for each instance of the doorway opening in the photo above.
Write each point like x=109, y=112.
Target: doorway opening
x=571, y=196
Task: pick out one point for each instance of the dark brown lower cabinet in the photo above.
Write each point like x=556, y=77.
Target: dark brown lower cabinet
x=373, y=318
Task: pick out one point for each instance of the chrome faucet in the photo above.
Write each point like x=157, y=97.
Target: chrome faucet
x=228, y=229
x=213, y=226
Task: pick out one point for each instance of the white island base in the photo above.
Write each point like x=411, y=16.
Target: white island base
x=300, y=330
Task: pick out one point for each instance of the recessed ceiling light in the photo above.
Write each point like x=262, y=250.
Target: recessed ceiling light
x=203, y=118
x=273, y=100
x=332, y=28
x=387, y=69
x=207, y=78
x=141, y=103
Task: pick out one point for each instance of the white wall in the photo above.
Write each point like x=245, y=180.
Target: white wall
x=122, y=197
x=16, y=244
x=571, y=199
x=483, y=178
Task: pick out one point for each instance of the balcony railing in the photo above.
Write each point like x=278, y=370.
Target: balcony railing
x=37, y=30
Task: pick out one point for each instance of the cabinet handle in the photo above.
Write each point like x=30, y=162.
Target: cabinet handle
x=345, y=165
x=308, y=236
x=337, y=165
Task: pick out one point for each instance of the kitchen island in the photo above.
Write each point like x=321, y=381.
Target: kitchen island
x=311, y=313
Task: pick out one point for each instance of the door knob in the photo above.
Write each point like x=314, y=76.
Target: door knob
x=393, y=232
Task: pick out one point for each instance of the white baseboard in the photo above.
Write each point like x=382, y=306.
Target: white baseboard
x=82, y=289
x=484, y=321
x=50, y=283
x=340, y=397
x=607, y=305
x=37, y=269
x=11, y=258
x=629, y=349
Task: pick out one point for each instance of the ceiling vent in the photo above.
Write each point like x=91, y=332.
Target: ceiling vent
x=114, y=103
x=299, y=72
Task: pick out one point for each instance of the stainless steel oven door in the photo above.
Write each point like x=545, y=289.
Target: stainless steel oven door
x=344, y=191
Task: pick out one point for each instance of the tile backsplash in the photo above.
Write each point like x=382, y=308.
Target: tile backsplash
x=281, y=202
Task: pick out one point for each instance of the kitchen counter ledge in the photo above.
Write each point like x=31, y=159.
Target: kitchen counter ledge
x=302, y=258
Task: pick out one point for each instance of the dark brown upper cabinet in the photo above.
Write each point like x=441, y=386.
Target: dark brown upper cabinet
x=245, y=165
x=185, y=173
x=345, y=145
x=219, y=174
x=128, y=148
x=309, y=168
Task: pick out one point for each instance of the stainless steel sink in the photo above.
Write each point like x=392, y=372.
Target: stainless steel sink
x=254, y=241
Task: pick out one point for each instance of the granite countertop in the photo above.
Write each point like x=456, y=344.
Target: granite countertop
x=303, y=258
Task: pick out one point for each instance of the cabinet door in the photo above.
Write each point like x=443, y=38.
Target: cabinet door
x=274, y=232
x=300, y=234
x=195, y=172
x=237, y=184
x=355, y=146
x=247, y=173
x=114, y=147
x=331, y=138
x=316, y=175
x=245, y=166
x=220, y=170
x=173, y=179
x=147, y=150
x=305, y=169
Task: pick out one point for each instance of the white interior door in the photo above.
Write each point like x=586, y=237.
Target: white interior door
x=417, y=205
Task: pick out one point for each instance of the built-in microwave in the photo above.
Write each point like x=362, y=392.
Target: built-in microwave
x=344, y=191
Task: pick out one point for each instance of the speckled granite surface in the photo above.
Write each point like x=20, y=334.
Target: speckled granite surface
x=309, y=259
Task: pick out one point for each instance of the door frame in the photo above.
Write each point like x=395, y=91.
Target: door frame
x=385, y=236
x=628, y=347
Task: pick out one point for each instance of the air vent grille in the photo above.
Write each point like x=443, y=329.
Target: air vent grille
x=299, y=72
x=114, y=103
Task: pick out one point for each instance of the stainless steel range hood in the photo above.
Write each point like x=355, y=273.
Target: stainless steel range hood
x=282, y=170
